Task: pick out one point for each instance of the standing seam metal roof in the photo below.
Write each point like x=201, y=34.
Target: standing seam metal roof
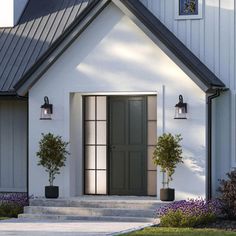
x=41, y=23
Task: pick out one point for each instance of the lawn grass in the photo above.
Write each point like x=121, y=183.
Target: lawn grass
x=4, y=218
x=162, y=231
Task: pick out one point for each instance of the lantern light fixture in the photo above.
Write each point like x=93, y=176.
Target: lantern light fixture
x=46, y=110
x=181, y=109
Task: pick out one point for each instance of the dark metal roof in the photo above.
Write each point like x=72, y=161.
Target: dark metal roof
x=29, y=49
x=42, y=22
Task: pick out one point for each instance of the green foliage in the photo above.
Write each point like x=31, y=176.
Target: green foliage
x=188, y=213
x=168, y=153
x=227, y=196
x=162, y=231
x=10, y=210
x=179, y=218
x=52, y=154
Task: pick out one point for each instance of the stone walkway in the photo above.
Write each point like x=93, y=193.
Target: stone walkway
x=23, y=227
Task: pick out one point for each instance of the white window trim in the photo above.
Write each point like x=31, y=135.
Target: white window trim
x=189, y=17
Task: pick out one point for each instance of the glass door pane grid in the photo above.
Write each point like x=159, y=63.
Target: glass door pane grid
x=95, y=147
x=152, y=138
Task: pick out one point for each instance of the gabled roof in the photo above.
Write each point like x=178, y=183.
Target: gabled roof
x=165, y=39
x=41, y=24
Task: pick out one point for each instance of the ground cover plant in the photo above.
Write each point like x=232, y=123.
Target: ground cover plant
x=12, y=204
x=188, y=213
x=162, y=231
x=227, y=196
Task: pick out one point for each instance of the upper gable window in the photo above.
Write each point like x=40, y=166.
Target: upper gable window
x=188, y=9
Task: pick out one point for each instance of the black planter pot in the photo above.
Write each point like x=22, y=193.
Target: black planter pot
x=167, y=194
x=51, y=191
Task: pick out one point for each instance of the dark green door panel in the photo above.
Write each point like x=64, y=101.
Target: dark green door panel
x=118, y=172
x=127, y=145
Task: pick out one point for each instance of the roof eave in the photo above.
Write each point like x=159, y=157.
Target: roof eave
x=63, y=42
x=170, y=44
x=150, y=25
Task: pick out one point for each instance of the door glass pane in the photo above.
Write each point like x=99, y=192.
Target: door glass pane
x=101, y=157
x=95, y=147
x=89, y=108
x=90, y=182
x=101, y=182
x=151, y=165
x=90, y=157
x=152, y=184
x=101, y=108
x=152, y=107
x=90, y=132
x=152, y=132
x=101, y=132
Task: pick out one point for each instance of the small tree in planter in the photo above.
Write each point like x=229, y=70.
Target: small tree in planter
x=52, y=156
x=167, y=154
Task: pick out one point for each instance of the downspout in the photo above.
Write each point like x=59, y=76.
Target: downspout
x=209, y=142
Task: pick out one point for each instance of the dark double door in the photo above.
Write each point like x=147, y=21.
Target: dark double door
x=127, y=145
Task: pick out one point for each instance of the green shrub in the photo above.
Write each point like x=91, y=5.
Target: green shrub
x=168, y=153
x=188, y=213
x=52, y=154
x=12, y=204
x=180, y=219
x=227, y=197
x=10, y=210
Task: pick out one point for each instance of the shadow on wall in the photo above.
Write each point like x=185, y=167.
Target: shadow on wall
x=122, y=62
x=187, y=182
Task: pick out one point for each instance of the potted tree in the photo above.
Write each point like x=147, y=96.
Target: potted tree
x=167, y=154
x=52, y=156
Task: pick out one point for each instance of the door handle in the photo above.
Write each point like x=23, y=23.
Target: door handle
x=112, y=147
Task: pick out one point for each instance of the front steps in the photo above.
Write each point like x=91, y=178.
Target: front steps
x=119, y=209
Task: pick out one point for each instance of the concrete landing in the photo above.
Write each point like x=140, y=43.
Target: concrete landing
x=26, y=227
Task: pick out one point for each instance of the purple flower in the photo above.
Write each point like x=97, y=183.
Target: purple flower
x=20, y=199
x=192, y=207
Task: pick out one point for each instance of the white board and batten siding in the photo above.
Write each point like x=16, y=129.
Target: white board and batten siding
x=213, y=40
x=13, y=146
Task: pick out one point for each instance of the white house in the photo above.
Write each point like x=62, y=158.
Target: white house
x=113, y=71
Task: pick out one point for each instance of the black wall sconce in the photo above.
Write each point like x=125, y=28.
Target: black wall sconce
x=46, y=110
x=181, y=109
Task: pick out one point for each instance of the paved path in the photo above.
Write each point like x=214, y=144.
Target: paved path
x=24, y=227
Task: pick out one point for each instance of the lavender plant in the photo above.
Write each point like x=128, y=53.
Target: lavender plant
x=20, y=199
x=189, y=213
x=12, y=204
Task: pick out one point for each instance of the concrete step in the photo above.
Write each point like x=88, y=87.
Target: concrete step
x=139, y=204
x=85, y=218
x=82, y=211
